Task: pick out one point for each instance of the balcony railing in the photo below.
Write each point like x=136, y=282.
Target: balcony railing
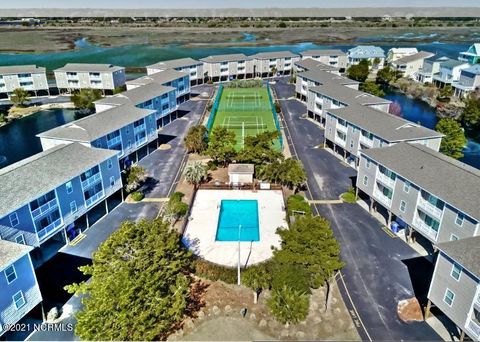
x=425, y=229
x=364, y=140
x=382, y=198
x=114, y=142
x=94, y=199
x=48, y=230
x=92, y=180
x=45, y=208
x=340, y=141
x=342, y=128
x=385, y=179
x=429, y=208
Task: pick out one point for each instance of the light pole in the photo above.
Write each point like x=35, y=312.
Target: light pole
x=238, y=265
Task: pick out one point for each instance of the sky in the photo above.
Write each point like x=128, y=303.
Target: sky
x=233, y=3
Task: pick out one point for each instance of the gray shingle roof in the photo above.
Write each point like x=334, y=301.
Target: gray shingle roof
x=331, y=52
x=386, y=126
x=451, y=63
x=21, y=69
x=175, y=63
x=32, y=177
x=309, y=64
x=89, y=67
x=241, y=168
x=366, y=51
x=225, y=58
x=274, y=54
x=324, y=77
x=454, y=182
x=11, y=252
x=97, y=125
x=137, y=95
x=161, y=77
x=414, y=57
x=347, y=95
x=466, y=252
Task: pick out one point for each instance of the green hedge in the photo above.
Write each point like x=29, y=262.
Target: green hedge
x=137, y=196
x=208, y=270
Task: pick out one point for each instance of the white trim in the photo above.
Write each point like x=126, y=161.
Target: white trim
x=459, y=214
x=69, y=187
x=16, y=218
x=15, y=303
x=445, y=296
x=14, y=272
x=459, y=271
x=23, y=242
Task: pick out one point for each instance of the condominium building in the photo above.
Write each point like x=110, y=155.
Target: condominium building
x=422, y=190
x=468, y=82
x=221, y=68
x=355, y=128
x=332, y=95
x=369, y=53
x=315, y=77
x=472, y=55
x=75, y=76
x=335, y=58
x=161, y=99
x=188, y=65
x=311, y=64
x=396, y=53
x=45, y=199
x=455, y=285
x=18, y=284
x=411, y=64
x=267, y=64
x=28, y=77
x=129, y=131
x=169, y=78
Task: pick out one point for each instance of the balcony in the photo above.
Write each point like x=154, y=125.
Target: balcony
x=139, y=129
x=342, y=128
x=48, y=230
x=429, y=208
x=339, y=141
x=94, y=199
x=87, y=183
x=114, y=142
x=72, y=77
x=45, y=208
x=366, y=141
x=379, y=196
x=385, y=179
x=474, y=329
x=424, y=228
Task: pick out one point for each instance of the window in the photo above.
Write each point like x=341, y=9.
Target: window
x=406, y=186
x=73, y=207
x=456, y=271
x=20, y=239
x=365, y=180
x=13, y=219
x=10, y=274
x=453, y=237
x=69, y=187
x=109, y=164
x=112, y=181
x=367, y=163
x=449, y=296
x=403, y=205
x=459, y=219
x=18, y=299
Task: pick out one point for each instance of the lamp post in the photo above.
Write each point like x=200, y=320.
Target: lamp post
x=238, y=265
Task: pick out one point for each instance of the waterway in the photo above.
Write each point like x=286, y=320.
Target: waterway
x=18, y=140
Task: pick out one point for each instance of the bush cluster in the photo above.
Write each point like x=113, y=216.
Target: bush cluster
x=244, y=84
x=137, y=196
x=215, y=272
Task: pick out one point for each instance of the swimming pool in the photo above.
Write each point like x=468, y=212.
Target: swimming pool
x=234, y=213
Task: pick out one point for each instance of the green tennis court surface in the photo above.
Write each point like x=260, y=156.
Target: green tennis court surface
x=245, y=111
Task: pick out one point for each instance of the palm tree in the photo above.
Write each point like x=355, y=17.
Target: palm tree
x=196, y=173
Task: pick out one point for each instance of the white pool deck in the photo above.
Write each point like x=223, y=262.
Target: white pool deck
x=201, y=229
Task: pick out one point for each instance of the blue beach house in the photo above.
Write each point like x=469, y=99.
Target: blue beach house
x=366, y=52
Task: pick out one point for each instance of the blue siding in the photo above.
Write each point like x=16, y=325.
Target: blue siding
x=25, y=282
x=64, y=198
x=114, y=171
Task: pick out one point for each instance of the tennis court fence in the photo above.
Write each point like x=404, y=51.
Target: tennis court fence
x=275, y=115
x=214, y=110
x=245, y=125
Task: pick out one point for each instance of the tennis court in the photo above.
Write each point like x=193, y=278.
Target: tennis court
x=245, y=111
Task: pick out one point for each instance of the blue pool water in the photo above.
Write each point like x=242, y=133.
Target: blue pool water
x=234, y=213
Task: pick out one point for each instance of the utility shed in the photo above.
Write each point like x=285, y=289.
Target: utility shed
x=240, y=173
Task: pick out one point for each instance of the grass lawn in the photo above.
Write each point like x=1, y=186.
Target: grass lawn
x=245, y=111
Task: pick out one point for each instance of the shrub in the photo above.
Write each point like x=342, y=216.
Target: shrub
x=290, y=275
x=137, y=196
x=214, y=272
x=278, y=109
x=177, y=196
x=288, y=305
x=349, y=196
x=298, y=203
